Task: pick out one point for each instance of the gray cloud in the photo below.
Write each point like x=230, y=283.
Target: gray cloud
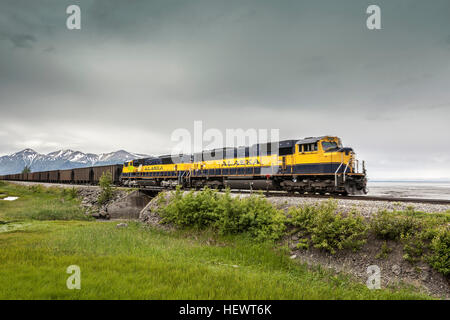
x=138, y=70
x=20, y=40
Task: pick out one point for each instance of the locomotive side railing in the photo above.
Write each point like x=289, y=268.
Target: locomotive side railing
x=345, y=170
x=337, y=170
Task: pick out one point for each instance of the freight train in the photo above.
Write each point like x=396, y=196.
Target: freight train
x=314, y=165
x=88, y=175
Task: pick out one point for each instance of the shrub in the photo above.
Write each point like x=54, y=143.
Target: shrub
x=37, y=188
x=392, y=226
x=303, y=244
x=440, y=256
x=191, y=209
x=227, y=215
x=105, y=183
x=329, y=230
x=424, y=236
x=72, y=192
x=384, y=252
x=302, y=216
x=53, y=190
x=414, y=247
x=404, y=226
x=26, y=170
x=254, y=214
x=335, y=231
x=161, y=199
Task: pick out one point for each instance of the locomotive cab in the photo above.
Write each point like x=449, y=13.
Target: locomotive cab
x=333, y=166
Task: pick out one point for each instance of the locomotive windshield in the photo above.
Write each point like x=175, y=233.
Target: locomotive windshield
x=327, y=145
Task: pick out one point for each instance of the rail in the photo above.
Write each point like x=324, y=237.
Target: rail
x=281, y=194
x=342, y=197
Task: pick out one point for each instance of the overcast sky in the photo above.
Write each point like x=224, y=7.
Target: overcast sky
x=138, y=70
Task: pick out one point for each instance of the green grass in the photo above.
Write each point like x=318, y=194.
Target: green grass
x=39, y=203
x=139, y=262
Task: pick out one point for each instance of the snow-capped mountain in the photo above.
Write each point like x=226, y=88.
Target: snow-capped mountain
x=62, y=159
x=120, y=155
x=73, y=156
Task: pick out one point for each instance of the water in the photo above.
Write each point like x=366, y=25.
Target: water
x=407, y=189
x=10, y=198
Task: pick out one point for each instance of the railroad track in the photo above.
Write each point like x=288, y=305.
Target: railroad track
x=317, y=196
x=340, y=197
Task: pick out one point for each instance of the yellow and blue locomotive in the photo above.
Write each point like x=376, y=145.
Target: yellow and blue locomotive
x=313, y=165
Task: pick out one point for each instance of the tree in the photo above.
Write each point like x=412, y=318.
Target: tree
x=26, y=170
x=105, y=183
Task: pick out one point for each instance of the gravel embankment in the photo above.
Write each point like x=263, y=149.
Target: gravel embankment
x=365, y=207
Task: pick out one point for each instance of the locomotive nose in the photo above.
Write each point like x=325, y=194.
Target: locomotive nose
x=347, y=151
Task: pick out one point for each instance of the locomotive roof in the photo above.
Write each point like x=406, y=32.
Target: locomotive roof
x=310, y=140
x=281, y=144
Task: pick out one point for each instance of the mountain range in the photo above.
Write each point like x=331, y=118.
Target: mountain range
x=62, y=159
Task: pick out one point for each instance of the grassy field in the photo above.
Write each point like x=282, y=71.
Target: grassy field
x=43, y=232
x=39, y=203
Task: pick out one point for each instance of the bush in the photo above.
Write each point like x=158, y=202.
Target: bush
x=72, y=193
x=423, y=236
x=302, y=216
x=303, y=244
x=227, y=215
x=253, y=214
x=191, y=209
x=392, y=226
x=106, y=188
x=440, y=256
x=37, y=188
x=384, y=252
x=327, y=229
x=26, y=170
x=414, y=247
x=69, y=193
x=404, y=226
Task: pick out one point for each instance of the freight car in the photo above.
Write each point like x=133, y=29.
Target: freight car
x=82, y=175
x=89, y=175
x=34, y=176
x=66, y=176
x=314, y=164
x=53, y=176
x=43, y=176
x=114, y=170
